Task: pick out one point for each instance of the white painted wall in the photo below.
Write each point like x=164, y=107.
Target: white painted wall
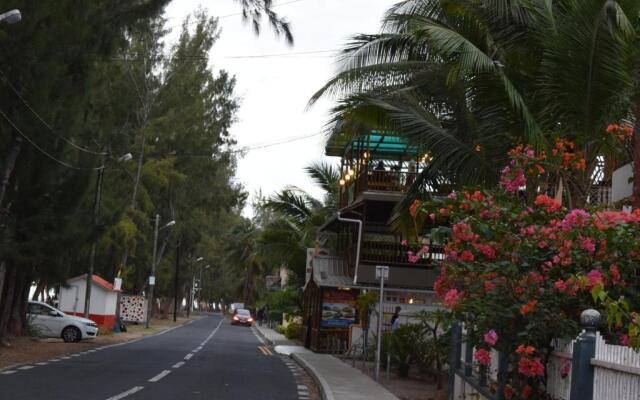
x=621, y=187
x=103, y=302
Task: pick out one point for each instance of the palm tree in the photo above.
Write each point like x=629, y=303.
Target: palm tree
x=466, y=80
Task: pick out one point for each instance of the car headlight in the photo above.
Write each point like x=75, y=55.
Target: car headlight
x=91, y=324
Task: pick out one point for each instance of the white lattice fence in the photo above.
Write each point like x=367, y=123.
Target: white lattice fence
x=559, y=371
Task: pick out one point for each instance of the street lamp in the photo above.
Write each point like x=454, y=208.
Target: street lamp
x=11, y=17
x=96, y=212
x=192, y=290
x=152, y=278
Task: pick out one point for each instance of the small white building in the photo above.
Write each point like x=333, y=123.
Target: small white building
x=102, y=308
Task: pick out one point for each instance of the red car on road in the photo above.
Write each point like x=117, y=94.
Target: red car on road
x=242, y=317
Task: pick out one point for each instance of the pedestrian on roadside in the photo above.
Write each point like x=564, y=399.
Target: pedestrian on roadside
x=260, y=315
x=395, y=319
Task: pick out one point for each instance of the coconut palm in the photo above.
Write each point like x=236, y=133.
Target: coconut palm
x=465, y=80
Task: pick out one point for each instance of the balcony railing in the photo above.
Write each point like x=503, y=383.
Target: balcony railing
x=394, y=253
x=384, y=181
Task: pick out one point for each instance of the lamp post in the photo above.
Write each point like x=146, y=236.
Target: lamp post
x=152, y=278
x=382, y=273
x=191, y=291
x=11, y=17
x=96, y=211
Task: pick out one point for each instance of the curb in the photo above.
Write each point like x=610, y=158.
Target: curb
x=323, y=385
x=259, y=332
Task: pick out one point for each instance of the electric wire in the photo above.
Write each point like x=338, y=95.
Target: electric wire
x=40, y=149
x=277, y=143
x=22, y=99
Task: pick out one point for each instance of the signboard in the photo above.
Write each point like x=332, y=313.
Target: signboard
x=338, y=308
x=152, y=280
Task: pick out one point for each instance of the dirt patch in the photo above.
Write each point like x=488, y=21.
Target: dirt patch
x=412, y=388
x=27, y=350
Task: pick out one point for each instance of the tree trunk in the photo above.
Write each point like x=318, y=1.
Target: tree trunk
x=9, y=164
x=636, y=159
x=18, y=320
x=7, y=301
x=3, y=274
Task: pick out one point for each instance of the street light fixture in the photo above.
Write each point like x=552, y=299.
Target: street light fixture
x=96, y=212
x=11, y=17
x=152, y=278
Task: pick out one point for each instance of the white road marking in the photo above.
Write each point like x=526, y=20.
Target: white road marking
x=178, y=364
x=26, y=367
x=8, y=372
x=54, y=360
x=127, y=393
x=66, y=358
x=160, y=375
x=188, y=356
x=255, y=333
x=42, y=363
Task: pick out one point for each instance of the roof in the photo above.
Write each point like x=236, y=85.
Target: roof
x=331, y=271
x=378, y=143
x=96, y=280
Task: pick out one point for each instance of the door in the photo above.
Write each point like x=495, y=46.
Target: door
x=44, y=320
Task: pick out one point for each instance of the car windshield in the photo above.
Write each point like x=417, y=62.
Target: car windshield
x=245, y=313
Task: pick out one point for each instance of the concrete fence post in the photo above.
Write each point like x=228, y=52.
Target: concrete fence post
x=584, y=349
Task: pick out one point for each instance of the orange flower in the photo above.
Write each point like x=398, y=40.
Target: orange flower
x=528, y=350
x=527, y=308
x=413, y=210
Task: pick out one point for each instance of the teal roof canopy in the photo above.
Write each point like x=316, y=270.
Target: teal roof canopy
x=377, y=143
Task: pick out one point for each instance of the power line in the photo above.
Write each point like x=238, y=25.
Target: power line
x=283, y=141
x=69, y=141
x=201, y=57
x=43, y=151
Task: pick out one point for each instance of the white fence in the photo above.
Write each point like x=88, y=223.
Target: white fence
x=616, y=374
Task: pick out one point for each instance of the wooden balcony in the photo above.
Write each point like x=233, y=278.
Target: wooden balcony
x=380, y=181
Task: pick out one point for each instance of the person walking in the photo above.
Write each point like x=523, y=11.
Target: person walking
x=395, y=319
x=260, y=315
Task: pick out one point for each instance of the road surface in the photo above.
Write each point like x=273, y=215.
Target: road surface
x=206, y=359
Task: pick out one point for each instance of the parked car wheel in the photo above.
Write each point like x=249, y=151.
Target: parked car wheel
x=71, y=334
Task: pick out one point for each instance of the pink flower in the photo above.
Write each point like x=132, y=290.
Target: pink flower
x=491, y=338
x=432, y=216
x=624, y=340
x=565, y=369
x=560, y=285
x=588, y=244
x=452, y=298
x=404, y=243
x=615, y=274
x=483, y=357
x=489, y=286
x=575, y=218
x=551, y=204
x=595, y=278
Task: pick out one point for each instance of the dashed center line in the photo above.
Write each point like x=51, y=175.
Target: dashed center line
x=178, y=365
x=188, y=356
x=26, y=367
x=160, y=375
x=127, y=393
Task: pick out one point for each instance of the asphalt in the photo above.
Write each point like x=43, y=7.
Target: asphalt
x=207, y=359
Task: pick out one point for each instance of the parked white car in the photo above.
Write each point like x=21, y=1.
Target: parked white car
x=51, y=322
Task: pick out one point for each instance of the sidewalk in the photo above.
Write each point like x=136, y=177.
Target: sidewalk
x=336, y=380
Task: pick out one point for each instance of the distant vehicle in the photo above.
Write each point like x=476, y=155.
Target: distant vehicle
x=242, y=317
x=235, y=307
x=51, y=322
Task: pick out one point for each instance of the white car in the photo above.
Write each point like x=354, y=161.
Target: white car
x=51, y=322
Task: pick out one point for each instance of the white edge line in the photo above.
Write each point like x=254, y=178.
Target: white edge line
x=127, y=393
x=160, y=375
x=8, y=372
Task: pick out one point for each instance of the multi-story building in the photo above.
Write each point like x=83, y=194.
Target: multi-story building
x=377, y=171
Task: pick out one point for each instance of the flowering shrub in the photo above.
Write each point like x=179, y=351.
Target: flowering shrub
x=522, y=273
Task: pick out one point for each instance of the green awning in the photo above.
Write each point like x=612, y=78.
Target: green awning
x=377, y=143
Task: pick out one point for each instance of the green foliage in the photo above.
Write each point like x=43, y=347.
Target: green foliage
x=287, y=300
x=293, y=330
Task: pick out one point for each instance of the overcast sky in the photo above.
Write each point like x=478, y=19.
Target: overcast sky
x=274, y=90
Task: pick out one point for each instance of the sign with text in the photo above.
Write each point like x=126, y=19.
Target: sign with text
x=338, y=308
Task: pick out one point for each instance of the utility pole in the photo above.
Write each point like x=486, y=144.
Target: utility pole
x=175, y=284
x=382, y=273
x=152, y=278
x=92, y=256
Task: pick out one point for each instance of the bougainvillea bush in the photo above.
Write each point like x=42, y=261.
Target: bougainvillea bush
x=520, y=269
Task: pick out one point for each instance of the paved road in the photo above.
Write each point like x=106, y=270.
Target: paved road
x=207, y=359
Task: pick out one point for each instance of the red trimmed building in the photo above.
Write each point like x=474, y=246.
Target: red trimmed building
x=104, y=297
